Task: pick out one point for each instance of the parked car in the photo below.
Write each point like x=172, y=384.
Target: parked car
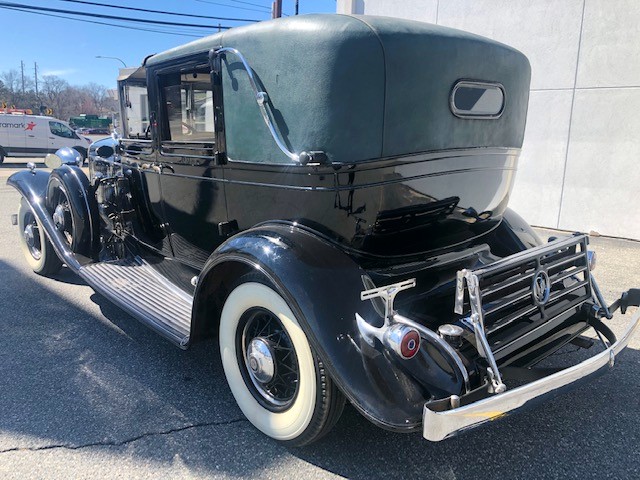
x=98, y=131
x=328, y=196
x=34, y=135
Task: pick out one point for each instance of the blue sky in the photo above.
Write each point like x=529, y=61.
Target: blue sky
x=68, y=48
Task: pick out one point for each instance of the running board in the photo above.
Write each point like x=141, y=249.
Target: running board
x=136, y=287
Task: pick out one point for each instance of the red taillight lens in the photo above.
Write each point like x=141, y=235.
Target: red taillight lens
x=403, y=340
x=410, y=344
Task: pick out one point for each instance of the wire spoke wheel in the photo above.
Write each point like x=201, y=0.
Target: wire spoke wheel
x=270, y=364
x=277, y=379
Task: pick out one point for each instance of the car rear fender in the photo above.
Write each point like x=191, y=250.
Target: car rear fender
x=322, y=285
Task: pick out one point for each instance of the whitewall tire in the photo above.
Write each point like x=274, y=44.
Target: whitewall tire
x=277, y=380
x=37, y=250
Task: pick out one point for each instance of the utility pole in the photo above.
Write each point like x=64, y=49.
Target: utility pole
x=297, y=6
x=276, y=9
x=22, y=74
x=35, y=70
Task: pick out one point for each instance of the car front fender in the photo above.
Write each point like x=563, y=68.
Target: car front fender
x=32, y=185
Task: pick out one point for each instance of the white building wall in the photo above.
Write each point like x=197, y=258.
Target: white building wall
x=581, y=156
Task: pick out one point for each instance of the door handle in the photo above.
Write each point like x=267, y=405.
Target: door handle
x=31, y=136
x=52, y=138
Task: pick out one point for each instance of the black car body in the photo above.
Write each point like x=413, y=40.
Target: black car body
x=289, y=179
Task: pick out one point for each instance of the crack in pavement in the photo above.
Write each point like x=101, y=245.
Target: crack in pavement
x=113, y=443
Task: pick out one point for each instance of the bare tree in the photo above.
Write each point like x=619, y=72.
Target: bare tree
x=52, y=93
x=11, y=80
x=98, y=94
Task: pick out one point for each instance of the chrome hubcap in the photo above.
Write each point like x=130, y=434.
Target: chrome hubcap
x=29, y=235
x=58, y=217
x=260, y=360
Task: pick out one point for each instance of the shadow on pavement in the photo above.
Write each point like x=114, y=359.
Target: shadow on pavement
x=76, y=375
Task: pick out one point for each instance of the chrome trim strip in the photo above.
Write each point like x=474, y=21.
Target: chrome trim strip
x=262, y=100
x=440, y=425
x=342, y=188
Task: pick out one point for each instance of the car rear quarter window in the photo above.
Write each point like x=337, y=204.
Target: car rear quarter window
x=472, y=99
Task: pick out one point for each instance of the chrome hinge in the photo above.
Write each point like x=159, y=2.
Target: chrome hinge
x=602, y=303
x=477, y=324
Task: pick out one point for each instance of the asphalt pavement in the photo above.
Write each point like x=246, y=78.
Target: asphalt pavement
x=86, y=391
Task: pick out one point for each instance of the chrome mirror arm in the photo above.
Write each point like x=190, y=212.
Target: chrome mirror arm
x=262, y=99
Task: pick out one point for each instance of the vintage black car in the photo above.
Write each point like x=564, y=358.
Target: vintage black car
x=328, y=195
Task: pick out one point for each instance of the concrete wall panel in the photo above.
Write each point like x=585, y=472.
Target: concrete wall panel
x=610, y=44
x=546, y=31
x=420, y=10
x=536, y=194
x=603, y=164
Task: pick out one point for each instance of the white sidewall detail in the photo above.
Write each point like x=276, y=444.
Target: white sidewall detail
x=35, y=265
x=291, y=423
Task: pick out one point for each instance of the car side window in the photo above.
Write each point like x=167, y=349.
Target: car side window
x=61, y=130
x=188, y=107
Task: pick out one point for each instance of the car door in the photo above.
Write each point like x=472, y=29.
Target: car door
x=191, y=180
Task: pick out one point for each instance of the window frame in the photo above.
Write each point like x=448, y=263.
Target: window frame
x=469, y=115
x=201, y=150
x=74, y=135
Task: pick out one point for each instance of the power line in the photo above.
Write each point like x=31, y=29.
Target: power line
x=254, y=4
x=232, y=6
x=163, y=12
x=113, y=17
x=137, y=28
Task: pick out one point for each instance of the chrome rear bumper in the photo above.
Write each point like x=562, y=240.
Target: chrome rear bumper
x=438, y=425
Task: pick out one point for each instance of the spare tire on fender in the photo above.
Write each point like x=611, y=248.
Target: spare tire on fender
x=72, y=205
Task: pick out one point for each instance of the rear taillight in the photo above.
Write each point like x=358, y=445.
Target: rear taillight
x=403, y=340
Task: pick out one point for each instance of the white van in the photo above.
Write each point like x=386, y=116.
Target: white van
x=34, y=136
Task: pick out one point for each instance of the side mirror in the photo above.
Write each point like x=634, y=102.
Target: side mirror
x=64, y=156
x=105, y=151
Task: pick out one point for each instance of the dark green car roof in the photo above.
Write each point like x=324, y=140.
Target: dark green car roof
x=361, y=87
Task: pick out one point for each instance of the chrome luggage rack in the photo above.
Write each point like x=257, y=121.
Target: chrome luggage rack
x=528, y=277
